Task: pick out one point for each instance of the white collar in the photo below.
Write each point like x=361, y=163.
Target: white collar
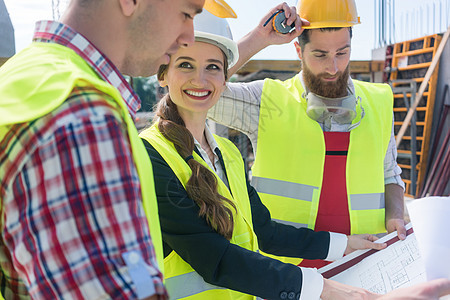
x=209, y=138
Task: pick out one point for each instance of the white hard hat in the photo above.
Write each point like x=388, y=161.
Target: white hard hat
x=216, y=31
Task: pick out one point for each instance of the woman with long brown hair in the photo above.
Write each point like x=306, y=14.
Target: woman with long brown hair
x=213, y=222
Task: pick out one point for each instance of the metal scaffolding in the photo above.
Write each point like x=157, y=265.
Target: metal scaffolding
x=394, y=23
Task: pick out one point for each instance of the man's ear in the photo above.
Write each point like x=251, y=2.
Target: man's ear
x=128, y=7
x=298, y=49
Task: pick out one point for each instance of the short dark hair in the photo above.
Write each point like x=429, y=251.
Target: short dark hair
x=303, y=39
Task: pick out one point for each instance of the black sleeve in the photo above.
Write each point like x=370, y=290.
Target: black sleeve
x=285, y=240
x=217, y=260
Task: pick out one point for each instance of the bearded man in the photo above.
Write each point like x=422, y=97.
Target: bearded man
x=325, y=153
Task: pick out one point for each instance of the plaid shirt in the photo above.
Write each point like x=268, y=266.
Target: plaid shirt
x=238, y=108
x=71, y=194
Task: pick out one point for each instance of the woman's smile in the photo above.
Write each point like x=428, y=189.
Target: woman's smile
x=197, y=94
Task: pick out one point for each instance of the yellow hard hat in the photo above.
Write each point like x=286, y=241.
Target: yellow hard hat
x=328, y=13
x=219, y=8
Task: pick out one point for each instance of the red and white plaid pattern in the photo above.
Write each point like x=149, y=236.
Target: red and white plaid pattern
x=54, y=32
x=71, y=197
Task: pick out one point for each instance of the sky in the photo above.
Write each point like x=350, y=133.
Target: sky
x=412, y=20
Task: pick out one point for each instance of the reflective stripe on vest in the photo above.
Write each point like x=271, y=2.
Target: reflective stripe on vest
x=367, y=201
x=181, y=279
x=191, y=284
x=296, y=225
x=303, y=192
x=291, y=154
x=54, y=77
x=283, y=188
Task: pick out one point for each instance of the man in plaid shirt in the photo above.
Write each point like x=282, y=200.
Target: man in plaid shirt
x=72, y=221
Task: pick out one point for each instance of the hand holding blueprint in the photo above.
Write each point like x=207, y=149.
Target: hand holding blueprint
x=431, y=220
x=398, y=265
x=402, y=263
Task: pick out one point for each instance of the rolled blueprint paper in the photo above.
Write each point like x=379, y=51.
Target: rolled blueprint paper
x=430, y=218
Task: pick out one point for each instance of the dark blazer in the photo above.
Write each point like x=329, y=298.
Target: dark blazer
x=224, y=264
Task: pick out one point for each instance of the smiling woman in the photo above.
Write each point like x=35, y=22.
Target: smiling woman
x=196, y=78
x=213, y=222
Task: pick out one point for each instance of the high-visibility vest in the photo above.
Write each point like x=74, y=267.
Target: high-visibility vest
x=289, y=162
x=182, y=281
x=40, y=78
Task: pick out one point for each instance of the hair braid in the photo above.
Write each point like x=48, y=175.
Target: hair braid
x=202, y=185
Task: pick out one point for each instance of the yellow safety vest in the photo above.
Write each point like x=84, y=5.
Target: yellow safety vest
x=289, y=162
x=182, y=281
x=40, y=78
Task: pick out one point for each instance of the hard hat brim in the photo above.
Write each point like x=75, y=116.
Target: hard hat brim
x=229, y=47
x=328, y=13
x=219, y=8
x=332, y=24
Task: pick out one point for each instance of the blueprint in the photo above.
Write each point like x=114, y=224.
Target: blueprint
x=398, y=265
x=431, y=222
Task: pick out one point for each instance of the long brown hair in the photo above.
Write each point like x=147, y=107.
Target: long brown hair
x=202, y=185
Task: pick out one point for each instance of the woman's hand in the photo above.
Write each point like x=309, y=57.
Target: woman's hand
x=363, y=241
x=431, y=290
x=334, y=290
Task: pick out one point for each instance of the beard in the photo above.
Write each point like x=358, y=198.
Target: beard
x=318, y=86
